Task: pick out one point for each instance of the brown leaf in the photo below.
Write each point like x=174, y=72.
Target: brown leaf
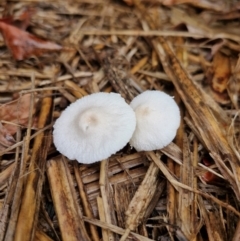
x=23, y=44
x=17, y=112
x=222, y=72
x=6, y=139
x=22, y=21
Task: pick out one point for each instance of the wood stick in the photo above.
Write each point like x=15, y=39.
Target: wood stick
x=31, y=197
x=65, y=201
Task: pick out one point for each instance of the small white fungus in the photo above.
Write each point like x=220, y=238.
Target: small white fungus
x=94, y=127
x=158, y=118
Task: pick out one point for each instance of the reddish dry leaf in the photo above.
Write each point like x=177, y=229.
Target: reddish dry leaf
x=17, y=112
x=6, y=139
x=23, y=44
x=22, y=21
x=209, y=177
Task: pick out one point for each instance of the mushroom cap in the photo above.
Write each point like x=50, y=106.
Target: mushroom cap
x=158, y=118
x=94, y=127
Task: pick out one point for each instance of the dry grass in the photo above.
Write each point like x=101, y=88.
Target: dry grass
x=190, y=190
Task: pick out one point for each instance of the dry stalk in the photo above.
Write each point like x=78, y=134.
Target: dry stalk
x=141, y=200
x=118, y=79
x=174, y=152
x=114, y=228
x=32, y=193
x=84, y=199
x=13, y=196
x=75, y=89
x=139, y=65
x=101, y=213
x=210, y=229
x=186, y=199
x=65, y=201
x=105, y=198
x=236, y=236
x=172, y=195
x=41, y=236
x=195, y=162
x=5, y=175
x=151, y=33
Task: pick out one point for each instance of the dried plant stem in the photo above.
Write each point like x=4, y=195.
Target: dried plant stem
x=33, y=190
x=186, y=198
x=65, y=201
x=75, y=89
x=140, y=202
x=102, y=217
x=203, y=210
x=139, y=65
x=171, y=194
x=14, y=194
x=85, y=202
x=103, y=182
x=236, y=236
x=173, y=152
x=4, y=175
x=151, y=33
x=117, y=79
x=115, y=229
x=41, y=236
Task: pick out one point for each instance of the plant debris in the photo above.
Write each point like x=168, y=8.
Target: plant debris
x=65, y=50
x=21, y=43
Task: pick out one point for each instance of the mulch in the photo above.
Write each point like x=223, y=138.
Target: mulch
x=189, y=190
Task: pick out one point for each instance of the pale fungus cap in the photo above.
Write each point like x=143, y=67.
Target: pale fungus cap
x=94, y=127
x=158, y=118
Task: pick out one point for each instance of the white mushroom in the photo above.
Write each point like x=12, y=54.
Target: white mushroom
x=94, y=127
x=158, y=118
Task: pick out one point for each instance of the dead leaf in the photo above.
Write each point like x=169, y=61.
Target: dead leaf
x=17, y=112
x=221, y=98
x=6, y=139
x=218, y=77
x=209, y=177
x=128, y=2
x=21, y=43
x=22, y=21
x=222, y=72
